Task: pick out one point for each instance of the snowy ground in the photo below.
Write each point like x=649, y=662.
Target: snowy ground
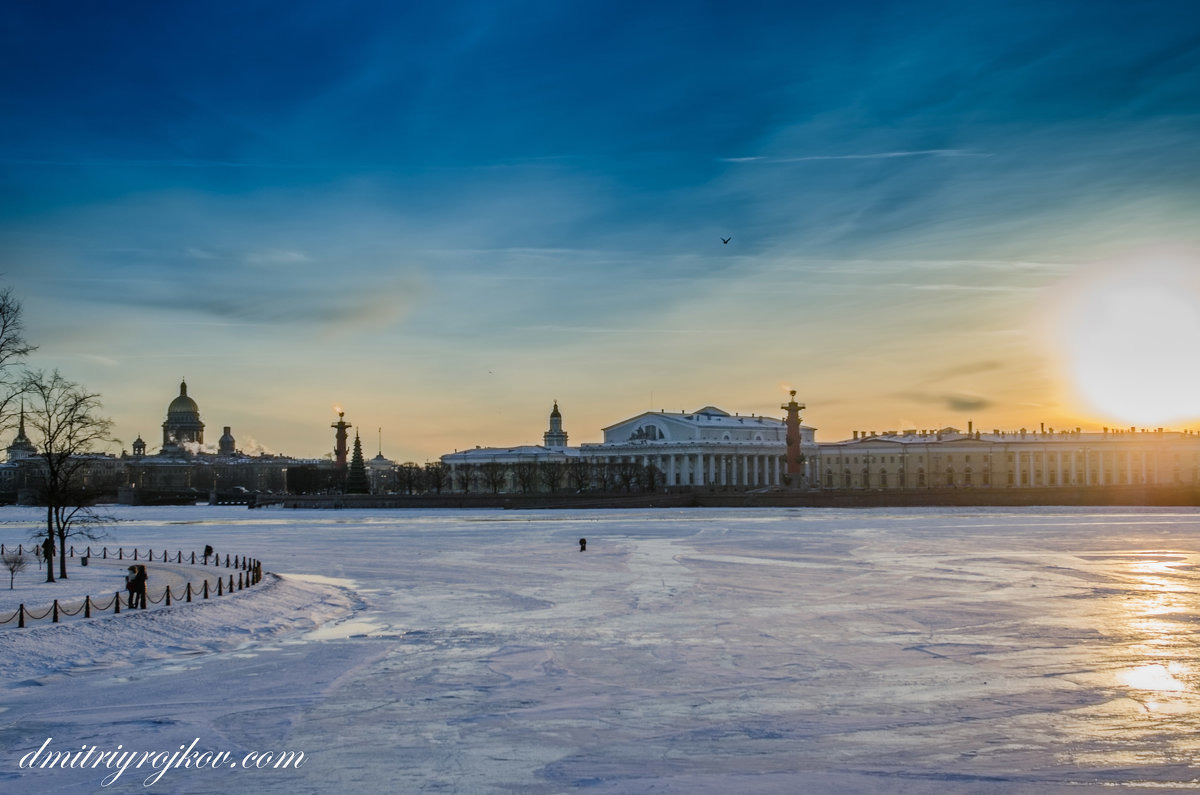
x=697, y=651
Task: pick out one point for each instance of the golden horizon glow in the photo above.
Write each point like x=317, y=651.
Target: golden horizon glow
x=1127, y=337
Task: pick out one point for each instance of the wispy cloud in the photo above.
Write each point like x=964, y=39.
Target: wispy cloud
x=767, y=159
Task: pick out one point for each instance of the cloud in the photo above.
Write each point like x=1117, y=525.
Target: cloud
x=765, y=159
x=277, y=257
x=953, y=401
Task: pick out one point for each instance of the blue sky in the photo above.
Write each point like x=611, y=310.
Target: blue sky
x=443, y=217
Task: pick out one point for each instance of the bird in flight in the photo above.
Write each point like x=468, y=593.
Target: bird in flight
x=726, y=240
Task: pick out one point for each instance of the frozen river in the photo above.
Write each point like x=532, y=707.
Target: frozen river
x=691, y=651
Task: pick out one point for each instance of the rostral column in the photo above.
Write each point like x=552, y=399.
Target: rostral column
x=795, y=459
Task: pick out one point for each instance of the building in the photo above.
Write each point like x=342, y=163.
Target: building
x=706, y=448
x=182, y=427
x=524, y=468
x=184, y=468
x=950, y=458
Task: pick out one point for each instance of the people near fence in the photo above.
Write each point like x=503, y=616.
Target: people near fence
x=47, y=549
x=208, y=550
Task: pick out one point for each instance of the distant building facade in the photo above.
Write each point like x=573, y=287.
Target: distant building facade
x=706, y=448
x=950, y=458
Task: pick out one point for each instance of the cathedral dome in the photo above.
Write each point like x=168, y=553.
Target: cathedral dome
x=183, y=404
x=183, y=420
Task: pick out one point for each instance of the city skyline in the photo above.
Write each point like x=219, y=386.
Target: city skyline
x=444, y=219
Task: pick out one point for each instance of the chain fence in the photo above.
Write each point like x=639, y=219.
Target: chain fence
x=248, y=570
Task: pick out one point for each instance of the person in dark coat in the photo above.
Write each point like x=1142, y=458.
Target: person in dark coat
x=131, y=587
x=139, y=584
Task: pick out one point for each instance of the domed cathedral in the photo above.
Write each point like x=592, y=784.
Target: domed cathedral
x=183, y=423
x=555, y=436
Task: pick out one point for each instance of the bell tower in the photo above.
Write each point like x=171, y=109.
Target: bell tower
x=556, y=436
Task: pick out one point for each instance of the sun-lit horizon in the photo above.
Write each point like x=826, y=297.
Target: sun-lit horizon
x=445, y=218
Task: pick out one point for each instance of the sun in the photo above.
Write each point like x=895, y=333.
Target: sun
x=1129, y=338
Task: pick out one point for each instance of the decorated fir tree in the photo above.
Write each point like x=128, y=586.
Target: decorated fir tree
x=356, y=478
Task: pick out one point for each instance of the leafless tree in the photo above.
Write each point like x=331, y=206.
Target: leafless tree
x=603, y=472
x=550, y=473
x=13, y=347
x=435, y=476
x=526, y=475
x=579, y=474
x=629, y=474
x=494, y=475
x=66, y=428
x=14, y=562
x=409, y=476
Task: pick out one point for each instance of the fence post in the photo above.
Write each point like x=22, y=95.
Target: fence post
x=226, y=560
x=239, y=580
x=55, y=619
x=205, y=588
x=87, y=607
x=188, y=591
x=220, y=587
x=164, y=556
x=120, y=553
x=179, y=557
x=231, y=583
x=72, y=550
x=105, y=555
x=193, y=557
x=117, y=602
x=168, y=596
x=21, y=616
x=135, y=553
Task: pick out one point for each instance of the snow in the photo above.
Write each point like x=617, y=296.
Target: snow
x=698, y=651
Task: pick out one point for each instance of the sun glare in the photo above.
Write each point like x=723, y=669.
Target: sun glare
x=1128, y=339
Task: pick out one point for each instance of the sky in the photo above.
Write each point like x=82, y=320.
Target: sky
x=444, y=217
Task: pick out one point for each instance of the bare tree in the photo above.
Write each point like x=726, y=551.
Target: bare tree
x=550, y=473
x=67, y=429
x=629, y=474
x=13, y=347
x=526, y=475
x=579, y=474
x=14, y=562
x=604, y=472
x=409, y=475
x=494, y=475
x=435, y=476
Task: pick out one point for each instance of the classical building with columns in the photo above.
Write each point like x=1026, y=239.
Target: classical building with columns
x=706, y=448
x=950, y=458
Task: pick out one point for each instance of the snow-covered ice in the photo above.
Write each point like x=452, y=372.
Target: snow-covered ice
x=698, y=651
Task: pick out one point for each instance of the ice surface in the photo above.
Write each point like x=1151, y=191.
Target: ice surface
x=697, y=651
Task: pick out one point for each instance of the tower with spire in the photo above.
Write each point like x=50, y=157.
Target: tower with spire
x=556, y=436
x=21, y=446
